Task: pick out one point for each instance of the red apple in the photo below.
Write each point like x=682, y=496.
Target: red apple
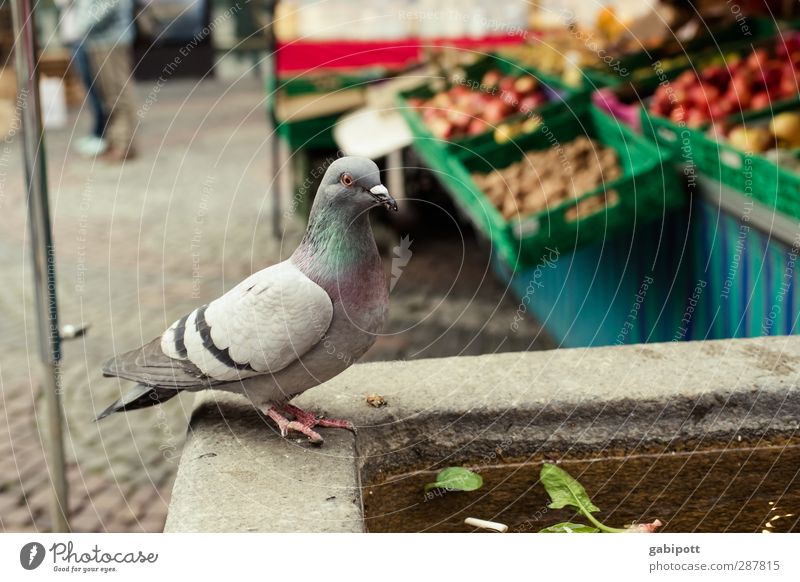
x=441, y=128
x=727, y=104
x=480, y=100
x=459, y=91
x=512, y=98
x=715, y=111
x=792, y=42
x=757, y=59
x=506, y=84
x=790, y=81
x=660, y=104
x=530, y=102
x=491, y=78
x=477, y=126
x=495, y=112
x=699, y=95
x=770, y=76
x=678, y=115
x=459, y=119
x=740, y=91
x=712, y=93
x=786, y=44
x=760, y=100
x=686, y=79
x=696, y=118
x=431, y=113
x=717, y=75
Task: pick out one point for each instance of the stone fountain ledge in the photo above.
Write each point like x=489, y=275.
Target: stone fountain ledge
x=237, y=475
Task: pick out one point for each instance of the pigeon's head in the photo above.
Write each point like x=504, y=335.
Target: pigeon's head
x=355, y=182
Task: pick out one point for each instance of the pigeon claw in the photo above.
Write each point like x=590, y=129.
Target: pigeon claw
x=313, y=436
x=336, y=423
x=313, y=420
x=304, y=422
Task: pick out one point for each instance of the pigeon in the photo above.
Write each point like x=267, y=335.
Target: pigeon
x=286, y=328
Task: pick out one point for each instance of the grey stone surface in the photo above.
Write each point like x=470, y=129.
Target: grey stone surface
x=239, y=475
x=502, y=406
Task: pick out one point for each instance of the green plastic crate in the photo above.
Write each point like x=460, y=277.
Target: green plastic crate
x=644, y=192
x=550, y=112
x=310, y=133
x=680, y=140
x=672, y=139
x=727, y=35
x=672, y=136
x=603, y=75
x=594, y=79
x=316, y=132
x=329, y=81
x=752, y=174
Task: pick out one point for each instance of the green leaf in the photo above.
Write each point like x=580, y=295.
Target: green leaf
x=565, y=491
x=456, y=479
x=567, y=527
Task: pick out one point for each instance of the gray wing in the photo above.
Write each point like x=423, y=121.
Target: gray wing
x=260, y=326
x=150, y=366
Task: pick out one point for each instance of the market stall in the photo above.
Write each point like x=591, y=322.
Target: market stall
x=636, y=177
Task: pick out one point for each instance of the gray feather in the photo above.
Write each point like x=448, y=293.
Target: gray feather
x=140, y=396
x=150, y=366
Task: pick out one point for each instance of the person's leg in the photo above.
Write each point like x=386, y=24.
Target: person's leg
x=85, y=71
x=126, y=104
x=113, y=66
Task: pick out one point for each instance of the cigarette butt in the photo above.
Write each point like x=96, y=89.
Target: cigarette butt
x=483, y=524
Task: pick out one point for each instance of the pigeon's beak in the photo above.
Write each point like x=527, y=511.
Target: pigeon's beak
x=381, y=195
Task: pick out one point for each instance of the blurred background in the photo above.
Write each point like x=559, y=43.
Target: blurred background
x=570, y=174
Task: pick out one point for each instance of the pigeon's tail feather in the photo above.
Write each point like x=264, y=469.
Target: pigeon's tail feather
x=140, y=396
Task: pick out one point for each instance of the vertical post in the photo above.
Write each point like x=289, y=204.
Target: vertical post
x=276, y=158
x=42, y=251
x=396, y=179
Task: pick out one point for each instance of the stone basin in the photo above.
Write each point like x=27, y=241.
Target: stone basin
x=701, y=435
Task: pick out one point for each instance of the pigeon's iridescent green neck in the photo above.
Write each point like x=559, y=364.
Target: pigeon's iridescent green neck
x=335, y=243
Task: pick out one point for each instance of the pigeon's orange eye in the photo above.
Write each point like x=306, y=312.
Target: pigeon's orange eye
x=346, y=179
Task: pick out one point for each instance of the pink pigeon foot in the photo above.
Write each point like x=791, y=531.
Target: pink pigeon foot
x=304, y=422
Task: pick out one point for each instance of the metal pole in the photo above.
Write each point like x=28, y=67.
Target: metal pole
x=42, y=251
x=274, y=147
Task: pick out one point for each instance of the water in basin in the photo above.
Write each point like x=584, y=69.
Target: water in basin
x=724, y=488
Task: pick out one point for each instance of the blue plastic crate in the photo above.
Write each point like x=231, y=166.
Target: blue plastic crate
x=710, y=279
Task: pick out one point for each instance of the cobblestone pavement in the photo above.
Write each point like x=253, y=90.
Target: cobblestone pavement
x=138, y=247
